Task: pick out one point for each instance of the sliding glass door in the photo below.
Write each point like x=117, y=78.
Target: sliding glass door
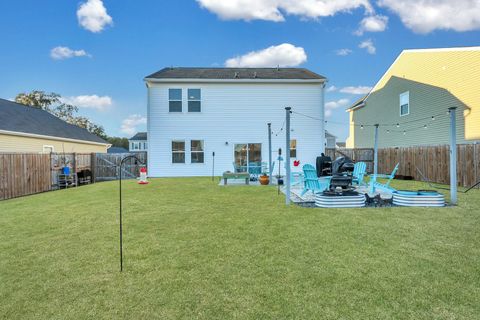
x=247, y=156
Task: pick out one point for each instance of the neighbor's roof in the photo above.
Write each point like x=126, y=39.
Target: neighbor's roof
x=117, y=150
x=22, y=119
x=236, y=73
x=139, y=136
x=329, y=135
x=357, y=103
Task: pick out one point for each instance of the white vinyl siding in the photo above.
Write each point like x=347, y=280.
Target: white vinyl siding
x=232, y=113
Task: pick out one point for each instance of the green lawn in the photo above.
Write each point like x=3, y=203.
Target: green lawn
x=194, y=250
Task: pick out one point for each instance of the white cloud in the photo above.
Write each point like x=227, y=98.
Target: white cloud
x=129, y=125
x=92, y=15
x=375, y=23
x=274, y=10
x=332, y=105
x=60, y=53
x=283, y=55
x=343, y=52
x=356, y=90
x=424, y=16
x=90, y=101
x=368, y=45
x=331, y=88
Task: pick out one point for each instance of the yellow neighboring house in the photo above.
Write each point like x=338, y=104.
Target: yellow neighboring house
x=25, y=129
x=418, y=86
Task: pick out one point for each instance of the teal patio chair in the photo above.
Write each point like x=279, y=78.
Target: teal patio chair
x=383, y=186
x=359, y=172
x=311, y=181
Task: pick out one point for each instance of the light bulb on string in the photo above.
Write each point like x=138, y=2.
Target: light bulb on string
x=425, y=127
x=388, y=131
x=404, y=132
x=361, y=127
x=433, y=118
x=398, y=125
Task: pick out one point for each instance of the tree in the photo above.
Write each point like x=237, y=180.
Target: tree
x=52, y=102
x=118, y=142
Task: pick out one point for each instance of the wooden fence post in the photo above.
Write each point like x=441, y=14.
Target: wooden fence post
x=93, y=164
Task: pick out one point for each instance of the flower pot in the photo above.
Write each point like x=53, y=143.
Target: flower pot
x=264, y=180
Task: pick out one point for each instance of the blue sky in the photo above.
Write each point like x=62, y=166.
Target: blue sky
x=95, y=53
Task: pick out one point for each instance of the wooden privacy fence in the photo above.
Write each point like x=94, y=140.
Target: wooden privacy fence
x=22, y=174
x=432, y=161
x=359, y=154
x=25, y=174
x=107, y=165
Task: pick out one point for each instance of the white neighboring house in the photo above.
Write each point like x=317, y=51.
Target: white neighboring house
x=331, y=140
x=193, y=112
x=138, y=143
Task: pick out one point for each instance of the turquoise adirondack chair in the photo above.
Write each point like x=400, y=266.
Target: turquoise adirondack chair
x=311, y=181
x=359, y=172
x=383, y=186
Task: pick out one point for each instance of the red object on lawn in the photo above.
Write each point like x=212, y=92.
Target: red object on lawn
x=143, y=176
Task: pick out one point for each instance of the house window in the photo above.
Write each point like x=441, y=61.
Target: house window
x=178, y=151
x=293, y=148
x=404, y=103
x=194, y=100
x=175, y=100
x=144, y=146
x=196, y=148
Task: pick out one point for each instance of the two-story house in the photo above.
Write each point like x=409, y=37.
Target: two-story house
x=196, y=112
x=414, y=96
x=138, y=143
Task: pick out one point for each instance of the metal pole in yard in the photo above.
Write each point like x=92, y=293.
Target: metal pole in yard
x=270, y=152
x=375, y=160
x=287, y=155
x=121, y=230
x=213, y=165
x=122, y=161
x=453, y=156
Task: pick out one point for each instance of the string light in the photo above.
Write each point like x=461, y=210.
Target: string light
x=364, y=125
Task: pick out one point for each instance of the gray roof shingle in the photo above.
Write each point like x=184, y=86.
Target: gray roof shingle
x=139, y=136
x=236, y=73
x=23, y=119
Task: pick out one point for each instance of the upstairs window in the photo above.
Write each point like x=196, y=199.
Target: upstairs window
x=178, y=151
x=404, y=104
x=194, y=100
x=175, y=100
x=293, y=148
x=197, y=152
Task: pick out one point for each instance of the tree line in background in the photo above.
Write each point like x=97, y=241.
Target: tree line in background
x=52, y=103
